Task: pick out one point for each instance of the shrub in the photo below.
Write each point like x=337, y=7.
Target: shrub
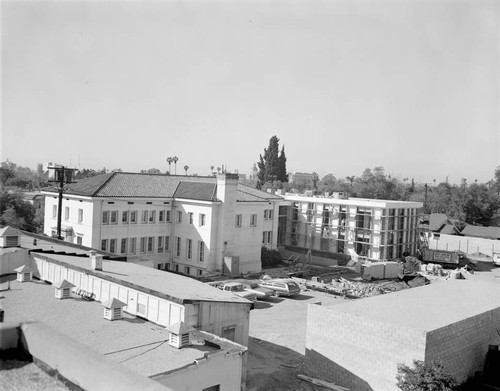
x=424, y=377
x=270, y=258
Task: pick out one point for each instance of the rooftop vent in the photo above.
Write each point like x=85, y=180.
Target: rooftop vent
x=9, y=237
x=95, y=260
x=24, y=273
x=113, y=309
x=63, y=289
x=180, y=335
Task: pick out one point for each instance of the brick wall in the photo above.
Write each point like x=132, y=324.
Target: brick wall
x=462, y=346
x=358, y=352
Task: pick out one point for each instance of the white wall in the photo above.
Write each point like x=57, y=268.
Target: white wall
x=221, y=369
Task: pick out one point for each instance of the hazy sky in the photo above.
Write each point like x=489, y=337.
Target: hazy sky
x=413, y=86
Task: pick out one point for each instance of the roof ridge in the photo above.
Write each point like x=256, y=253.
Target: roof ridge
x=94, y=194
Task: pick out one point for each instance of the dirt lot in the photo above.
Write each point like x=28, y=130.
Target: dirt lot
x=278, y=333
x=277, y=342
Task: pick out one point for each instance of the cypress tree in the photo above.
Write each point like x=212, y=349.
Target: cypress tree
x=271, y=164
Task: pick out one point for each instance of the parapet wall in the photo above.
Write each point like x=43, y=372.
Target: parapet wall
x=73, y=361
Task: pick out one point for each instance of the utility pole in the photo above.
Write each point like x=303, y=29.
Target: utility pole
x=62, y=176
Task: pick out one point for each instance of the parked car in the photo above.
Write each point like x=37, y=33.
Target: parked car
x=260, y=292
x=236, y=288
x=281, y=287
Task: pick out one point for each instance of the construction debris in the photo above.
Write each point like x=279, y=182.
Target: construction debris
x=322, y=383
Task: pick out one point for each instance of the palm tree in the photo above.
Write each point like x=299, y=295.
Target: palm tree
x=169, y=161
x=218, y=169
x=174, y=159
x=212, y=169
x=186, y=168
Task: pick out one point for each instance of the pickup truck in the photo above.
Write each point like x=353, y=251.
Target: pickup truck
x=236, y=288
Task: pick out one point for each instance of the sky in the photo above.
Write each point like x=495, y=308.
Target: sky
x=409, y=85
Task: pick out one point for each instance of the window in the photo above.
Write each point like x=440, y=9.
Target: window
x=144, y=219
x=150, y=244
x=125, y=217
x=238, y=221
x=201, y=251
x=191, y=217
x=199, y=272
x=112, y=245
x=270, y=214
x=161, y=216
x=160, y=244
x=167, y=219
x=177, y=246
x=132, y=245
x=104, y=245
x=54, y=211
x=189, y=248
x=105, y=217
x=114, y=217
x=253, y=220
x=179, y=216
x=202, y=219
x=79, y=240
x=142, y=248
x=265, y=214
x=123, y=247
x=167, y=243
x=266, y=237
x=133, y=217
x=66, y=213
x=269, y=236
x=187, y=269
x=152, y=216
x=80, y=215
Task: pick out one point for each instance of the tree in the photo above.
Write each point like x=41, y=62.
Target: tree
x=186, y=168
x=269, y=164
x=424, y=377
x=281, y=171
x=17, y=213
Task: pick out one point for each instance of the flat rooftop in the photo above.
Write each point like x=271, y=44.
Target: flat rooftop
x=428, y=307
x=170, y=286
x=363, y=202
x=139, y=345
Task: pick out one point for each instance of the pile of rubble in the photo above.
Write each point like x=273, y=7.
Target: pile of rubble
x=358, y=289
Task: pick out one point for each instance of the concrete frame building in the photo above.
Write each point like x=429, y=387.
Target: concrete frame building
x=360, y=343
x=186, y=224
x=377, y=229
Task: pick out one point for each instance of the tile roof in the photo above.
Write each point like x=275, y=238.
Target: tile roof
x=138, y=185
x=196, y=191
x=482, y=232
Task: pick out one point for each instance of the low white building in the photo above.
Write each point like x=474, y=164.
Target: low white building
x=186, y=224
x=162, y=298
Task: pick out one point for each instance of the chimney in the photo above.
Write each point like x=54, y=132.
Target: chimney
x=95, y=260
x=180, y=335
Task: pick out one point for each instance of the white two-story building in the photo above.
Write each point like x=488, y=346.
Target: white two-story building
x=186, y=224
